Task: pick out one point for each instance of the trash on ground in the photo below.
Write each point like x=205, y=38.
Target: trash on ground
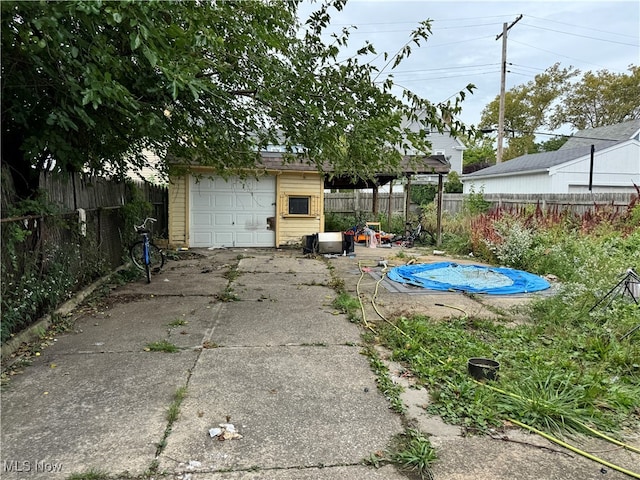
x=224, y=431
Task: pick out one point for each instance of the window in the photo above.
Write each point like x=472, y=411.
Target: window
x=299, y=205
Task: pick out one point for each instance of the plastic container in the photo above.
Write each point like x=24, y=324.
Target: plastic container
x=483, y=368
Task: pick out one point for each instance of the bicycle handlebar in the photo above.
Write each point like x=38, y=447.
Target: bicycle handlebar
x=142, y=227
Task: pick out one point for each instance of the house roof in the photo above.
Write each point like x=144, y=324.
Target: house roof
x=410, y=165
x=532, y=162
x=603, y=137
x=577, y=146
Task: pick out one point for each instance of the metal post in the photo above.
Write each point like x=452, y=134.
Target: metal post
x=439, y=213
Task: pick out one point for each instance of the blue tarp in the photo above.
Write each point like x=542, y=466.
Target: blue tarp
x=447, y=276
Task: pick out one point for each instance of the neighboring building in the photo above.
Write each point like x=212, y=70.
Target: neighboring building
x=441, y=144
x=151, y=172
x=615, y=166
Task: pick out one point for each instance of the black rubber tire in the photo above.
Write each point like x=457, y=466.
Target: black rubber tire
x=147, y=271
x=155, y=254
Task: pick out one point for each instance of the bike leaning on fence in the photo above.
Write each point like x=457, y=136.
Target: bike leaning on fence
x=144, y=254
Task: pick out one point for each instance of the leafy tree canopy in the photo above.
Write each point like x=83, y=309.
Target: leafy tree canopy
x=555, y=98
x=479, y=153
x=88, y=85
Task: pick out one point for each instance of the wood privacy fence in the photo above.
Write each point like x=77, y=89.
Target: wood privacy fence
x=352, y=202
x=91, y=193
x=578, y=203
x=45, y=257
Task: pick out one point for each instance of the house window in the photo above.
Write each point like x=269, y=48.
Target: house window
x=299, y=205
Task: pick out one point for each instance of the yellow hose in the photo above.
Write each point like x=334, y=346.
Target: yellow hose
x=513, y=395
x=574, y=449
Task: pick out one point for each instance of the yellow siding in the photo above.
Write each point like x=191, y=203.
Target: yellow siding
x=290, y=229
x=178, y=211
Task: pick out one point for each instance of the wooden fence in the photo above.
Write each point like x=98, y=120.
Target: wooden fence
x=578, y=203
x=354, y=201
x=86, y=237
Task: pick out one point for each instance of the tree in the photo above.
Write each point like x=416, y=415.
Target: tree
x=479, y=153
x=552, y=100
x=90, y=85
x=552, y=144
x=453, y=183
x=528, y=107
x=600, y=99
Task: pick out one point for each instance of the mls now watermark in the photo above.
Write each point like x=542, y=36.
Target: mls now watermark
x=29, y=466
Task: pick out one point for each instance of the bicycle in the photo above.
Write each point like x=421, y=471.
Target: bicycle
x=413, y=234
x=144, y=254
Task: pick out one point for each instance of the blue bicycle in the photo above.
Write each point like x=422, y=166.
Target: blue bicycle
x=144, y=254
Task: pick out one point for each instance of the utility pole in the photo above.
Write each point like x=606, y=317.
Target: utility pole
x=503, y=81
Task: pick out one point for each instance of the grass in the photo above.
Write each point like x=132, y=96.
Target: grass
x=414, y=453
x=89, y=475
x=556, y=377
x=348, y=305
x=177, y=323
x=161, y=346
x=172, y=415
x=411, y=451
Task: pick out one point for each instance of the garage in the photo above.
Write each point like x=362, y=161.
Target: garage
x=232, y=212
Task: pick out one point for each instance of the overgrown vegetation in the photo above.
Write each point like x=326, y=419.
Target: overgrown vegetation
x=44, y=260
x=47, y=255
x=573, y=361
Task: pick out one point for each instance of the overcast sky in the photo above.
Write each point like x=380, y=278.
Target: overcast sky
x=589, y=35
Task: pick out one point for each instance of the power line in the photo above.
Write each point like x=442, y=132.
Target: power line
x=447, y=77
x=447, y=68
x=558, y=54
x=582, y=36
x=585, y=28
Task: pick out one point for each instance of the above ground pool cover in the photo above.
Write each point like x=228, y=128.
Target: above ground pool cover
x=448, y=276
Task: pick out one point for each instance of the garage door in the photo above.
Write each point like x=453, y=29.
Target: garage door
x=232, y=213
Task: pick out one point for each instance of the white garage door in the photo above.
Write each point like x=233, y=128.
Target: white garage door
x=232, y=213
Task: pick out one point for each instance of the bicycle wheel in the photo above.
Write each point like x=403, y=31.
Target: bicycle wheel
x=156, y=257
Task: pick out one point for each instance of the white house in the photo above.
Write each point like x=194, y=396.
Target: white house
x=441, y=144
x=614, y=166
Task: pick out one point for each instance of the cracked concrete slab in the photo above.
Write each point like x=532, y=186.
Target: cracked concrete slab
x=89, y=411
x=296, y=407
x=280, y=323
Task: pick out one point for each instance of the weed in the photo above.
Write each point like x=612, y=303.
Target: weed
x=89, y=475
x=177, y=323
x=174, y=408
x=413, y=451
x=347, y=304
x=388, y=388
x=232, y=274
x=161, y=346
x=228, y=295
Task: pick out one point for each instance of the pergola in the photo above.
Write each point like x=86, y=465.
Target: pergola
x=410, y=165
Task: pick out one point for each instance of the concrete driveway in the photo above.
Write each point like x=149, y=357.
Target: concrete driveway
x=259, y=346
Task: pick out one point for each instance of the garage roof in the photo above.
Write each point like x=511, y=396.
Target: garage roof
x=409, y=166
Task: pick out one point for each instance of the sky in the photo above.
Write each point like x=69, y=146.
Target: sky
x=589, y=35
